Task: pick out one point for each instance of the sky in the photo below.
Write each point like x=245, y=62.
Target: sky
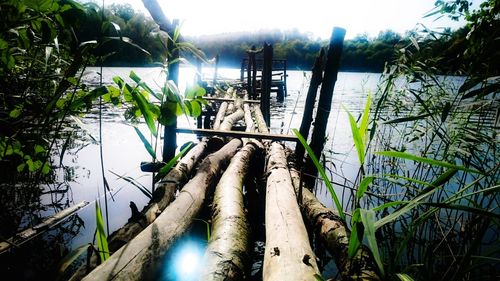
x=318, y=17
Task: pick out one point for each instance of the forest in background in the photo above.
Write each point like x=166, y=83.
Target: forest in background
x=362, y=53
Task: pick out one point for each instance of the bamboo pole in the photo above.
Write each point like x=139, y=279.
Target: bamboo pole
x=334, y=234
x=226, y=256
x=140, y=258
x=288, y=254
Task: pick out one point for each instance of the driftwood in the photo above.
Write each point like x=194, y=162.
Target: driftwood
x=288, y=254
x=333, y=233
x=140, y=258
x=164, y=194
x=40, y=228
x=226, y=256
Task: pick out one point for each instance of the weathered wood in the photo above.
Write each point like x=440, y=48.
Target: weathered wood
x=237, y=134
x=266, y=82
x=40, y=228
x=259, y=119
x=140, y=258
x=288, y=254
x=230, y=100
x=164, y=194
x=334, y=234
x=317, y=76
x=220, y=115
x=226, y=256
x=325, y=99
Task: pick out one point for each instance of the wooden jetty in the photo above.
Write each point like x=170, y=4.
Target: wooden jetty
x=233, y=138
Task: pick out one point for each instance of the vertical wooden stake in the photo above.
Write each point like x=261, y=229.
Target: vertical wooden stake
x=325, y=100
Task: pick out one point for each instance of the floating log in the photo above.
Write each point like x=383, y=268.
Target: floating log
x=237, y=134
x=334, y=234
x=40, y=228
x=226, y=256
x=164, y=194
x=140, y=258
x=288, y=254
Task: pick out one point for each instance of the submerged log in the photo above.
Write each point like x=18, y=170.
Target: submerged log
x=288, y=254
x=334, y=234
x=140, y=258
x=226, y=256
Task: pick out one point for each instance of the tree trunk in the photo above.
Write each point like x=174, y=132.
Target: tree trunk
x=220, y=115
x=334, y=234
x=226, y=257
x=140, y=258
x=288, y=254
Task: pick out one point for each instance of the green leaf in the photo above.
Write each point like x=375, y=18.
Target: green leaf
x=358, y=139
x=16, y=112
x=355, y=239
x=364, y=120
x=102, y=241
x=363, y=186
x=368, y=219
x=407, y=119
x=143, y=105
x=389, y=205
x=143, y=85
x=194, y=92
x=135, y=183
x=20, y=167
x=318, y=277
x=146, y=143
x=39, y=149
x=3, y=44
x=322, y=173
x=409, y=156
x=404, y=277
x=46, y=168
x=195, y=109
x=165, y=169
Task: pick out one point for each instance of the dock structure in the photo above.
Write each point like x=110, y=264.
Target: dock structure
x=245, y=162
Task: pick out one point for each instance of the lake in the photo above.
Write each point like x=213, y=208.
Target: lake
x=123, y=151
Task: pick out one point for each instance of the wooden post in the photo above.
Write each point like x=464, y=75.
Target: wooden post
x=325, y=99
x=284, y=77
x=254, y=76
x=242, y=70
x=251, y=59
x=317, y=76
x=216, y=69
x=169, y=135
x=266, y=83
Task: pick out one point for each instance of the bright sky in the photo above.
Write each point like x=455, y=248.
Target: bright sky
x=203, y=17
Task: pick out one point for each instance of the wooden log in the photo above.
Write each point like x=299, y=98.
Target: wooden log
x=334, y=234
x=288, y=254
x=40, y=228
x=325, y=100
x=305, y=126
x=140, y=258
x=220, y=115
x=236, y=134
x=259, y=119
x=229, y=120
x=164, y=194
x=226, y=256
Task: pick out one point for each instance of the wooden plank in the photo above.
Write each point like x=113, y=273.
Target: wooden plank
x=229, y=100
x=236, y=134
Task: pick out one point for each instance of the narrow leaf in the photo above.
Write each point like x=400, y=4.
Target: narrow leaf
x=364, y=120
x=102, y=241
x=146, y=143
x=356, y=136
x=165, y=169
x=322, y=173
x=143, y=105
x=363, y=186
x=368, y=219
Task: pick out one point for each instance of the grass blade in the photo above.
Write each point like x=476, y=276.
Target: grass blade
x=404, y=277
x=412, y=157
x=363, y=186
x=358, y=139
x=102, y=241
x=356, y=238
x=165, y=169
x=146, y=143
x=368, y=219
x=322, y=173
x=364, y=120
x=135, y=183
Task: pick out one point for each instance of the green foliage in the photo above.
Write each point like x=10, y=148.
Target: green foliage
x=322, y=172
x=102, y=240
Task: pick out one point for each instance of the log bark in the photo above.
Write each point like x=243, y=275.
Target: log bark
x=164, y=194
x=288, y=254
x=220, y=115
x=259, y=119
x=334, y=234
x=226, y=257
x=140, y=258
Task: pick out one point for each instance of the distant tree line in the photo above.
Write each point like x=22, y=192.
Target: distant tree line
x=362, y=53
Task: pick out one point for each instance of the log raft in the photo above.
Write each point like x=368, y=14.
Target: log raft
x=288, y=254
